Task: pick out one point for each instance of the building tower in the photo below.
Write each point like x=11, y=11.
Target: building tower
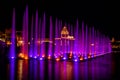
x=64, y=41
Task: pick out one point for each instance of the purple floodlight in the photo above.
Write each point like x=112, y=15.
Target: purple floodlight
x=50, y=37
x=75, y=60
x=12, y=46
x=12, y=57
x=35, y=57
x=36, y=34
x=31, y=39
x=64, y=58
x=41, y=58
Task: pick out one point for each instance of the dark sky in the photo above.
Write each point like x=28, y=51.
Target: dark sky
x=103, y=15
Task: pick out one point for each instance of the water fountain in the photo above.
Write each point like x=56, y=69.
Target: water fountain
x=13, y=42
x=65, y=42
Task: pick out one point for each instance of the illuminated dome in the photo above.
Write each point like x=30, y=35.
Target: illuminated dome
x=64, y=30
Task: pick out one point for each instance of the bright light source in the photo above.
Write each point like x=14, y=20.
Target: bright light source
x=64, y=58
x=21, y=55
x=75, y=60
x=8, y=43
x=30, y=55
x=89, y=56
x=85, y=57
x=49, y=57
x=81, y=58
x=55, y=56
x=26, y=57
x=12, y=57
x=35, y=57
x=43, y=55
x=92, y=44
x=57, y=59
x=92, y=56
x=41, y=58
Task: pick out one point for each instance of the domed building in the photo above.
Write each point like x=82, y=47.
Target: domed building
x=65, y=42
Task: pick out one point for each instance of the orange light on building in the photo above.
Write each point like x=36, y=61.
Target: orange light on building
x=8, y=43
x=26, y=57
x=49, y=57
x=21, y=42
x=81, y=58
x=21, y=55
x=89, y=55
x=57, y=59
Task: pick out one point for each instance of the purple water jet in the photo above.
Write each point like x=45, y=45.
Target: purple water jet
x=25, y=33
x=50, y=38
x=13, y=38
x=36, y=35
x=31, y=39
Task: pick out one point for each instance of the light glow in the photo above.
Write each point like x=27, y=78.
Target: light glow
x=41, y=58
x=75, y=60
x=64, y=58
x=43, y=55
x=35, y=57
x=81, y=58
x=57, y=59
x=49, y=57
x=12, y=57
x=26, y=57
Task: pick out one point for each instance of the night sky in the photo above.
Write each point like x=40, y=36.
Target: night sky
x=102, y=15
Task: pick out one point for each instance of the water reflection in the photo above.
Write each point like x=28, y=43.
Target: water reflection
x=12, y=70
x=22, y=70
x=69, y=68
x=35, y=68
x=41, y=70
x=30, y=69
x=57, y=71
x=50, y=70
x=96, y=69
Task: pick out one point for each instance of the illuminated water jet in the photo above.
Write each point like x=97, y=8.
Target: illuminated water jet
x=64, y=42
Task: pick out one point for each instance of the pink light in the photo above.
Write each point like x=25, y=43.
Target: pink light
x=55, y=56
x=35, y=57
x=41, y=58
x=64, y=58
x=43, y=55
x=12, y=57
x=76, y=60
x=85, y=57
x=92, y=44
x=89, y=56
